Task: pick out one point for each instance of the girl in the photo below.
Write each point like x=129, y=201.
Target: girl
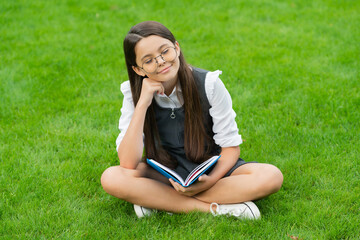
x=180, y=116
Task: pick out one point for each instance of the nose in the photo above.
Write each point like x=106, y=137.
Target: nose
x=161, y=61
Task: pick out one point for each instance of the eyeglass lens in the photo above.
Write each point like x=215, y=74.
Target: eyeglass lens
x=167, y=55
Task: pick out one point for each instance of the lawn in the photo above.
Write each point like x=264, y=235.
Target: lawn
x=292, y=68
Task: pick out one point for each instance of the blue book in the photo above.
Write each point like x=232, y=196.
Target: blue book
x=191, y=178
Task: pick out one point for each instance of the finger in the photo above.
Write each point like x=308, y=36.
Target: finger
x=151, y=84
x=202, y=178
x=182, y=189
x=178, y=187
x=156, y=88
x=174, y=184
x=161, y=92
x=161, y=89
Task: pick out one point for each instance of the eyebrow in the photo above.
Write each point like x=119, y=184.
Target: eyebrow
x=148, y=55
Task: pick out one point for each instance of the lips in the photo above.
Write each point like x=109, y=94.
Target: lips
x=165, y=70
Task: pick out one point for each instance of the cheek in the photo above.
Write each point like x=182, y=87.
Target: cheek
x=177, y=65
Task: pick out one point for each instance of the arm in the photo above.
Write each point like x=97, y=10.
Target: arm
x=229, y=156
x=131, y=147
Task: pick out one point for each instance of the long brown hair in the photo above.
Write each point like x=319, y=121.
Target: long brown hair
x=195, y=136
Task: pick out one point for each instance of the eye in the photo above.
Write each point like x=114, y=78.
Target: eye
x=148, y=61
x=166, y=50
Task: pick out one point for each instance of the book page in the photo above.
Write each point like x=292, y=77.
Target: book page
x=166, y=170
x=200, y=169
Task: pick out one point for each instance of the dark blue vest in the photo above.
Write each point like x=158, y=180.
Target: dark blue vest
x=171, y=130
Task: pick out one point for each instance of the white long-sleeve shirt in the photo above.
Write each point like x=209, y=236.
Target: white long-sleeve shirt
x=225, y=128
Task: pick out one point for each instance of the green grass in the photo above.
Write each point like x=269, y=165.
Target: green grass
x=292, y=69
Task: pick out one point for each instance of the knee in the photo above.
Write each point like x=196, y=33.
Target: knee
x=107, y=179
x=112, y=181
x=274, y=179
x=269, y=180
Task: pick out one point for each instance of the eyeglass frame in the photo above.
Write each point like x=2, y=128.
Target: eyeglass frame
x=157, y=63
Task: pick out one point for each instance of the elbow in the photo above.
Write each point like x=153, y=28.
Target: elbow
x=125, y=162
x=128, y=165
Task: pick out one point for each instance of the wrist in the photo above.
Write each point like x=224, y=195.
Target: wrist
x=210, y=180
x=141, y=105
x=213, y=179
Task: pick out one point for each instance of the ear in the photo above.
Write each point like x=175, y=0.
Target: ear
x=177, y=47
x=138, y=71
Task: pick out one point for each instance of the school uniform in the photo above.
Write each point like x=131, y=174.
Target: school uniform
x=219, y=118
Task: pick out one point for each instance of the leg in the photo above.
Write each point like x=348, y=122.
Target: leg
x=134, y=186
x=248, y=182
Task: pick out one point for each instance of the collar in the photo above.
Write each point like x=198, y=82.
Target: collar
x=177, y=88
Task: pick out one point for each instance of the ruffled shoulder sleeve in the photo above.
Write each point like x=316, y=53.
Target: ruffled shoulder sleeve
x=126, y=90
x=211, y=78
x=127, y=111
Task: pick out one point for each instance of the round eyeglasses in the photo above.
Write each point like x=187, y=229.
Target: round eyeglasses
x=150, y=65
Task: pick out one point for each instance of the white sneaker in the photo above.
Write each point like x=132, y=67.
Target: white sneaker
x=143, y=211
x=245, y=210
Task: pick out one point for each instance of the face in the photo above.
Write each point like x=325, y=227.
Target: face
x=151, y=47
